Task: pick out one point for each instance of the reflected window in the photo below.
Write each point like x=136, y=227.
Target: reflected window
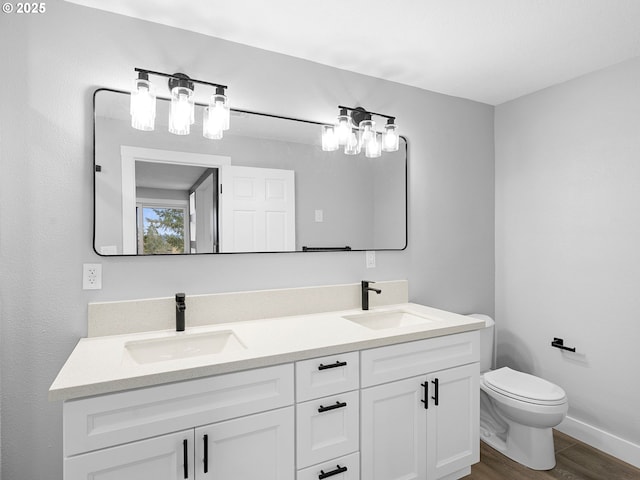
x=162, y=229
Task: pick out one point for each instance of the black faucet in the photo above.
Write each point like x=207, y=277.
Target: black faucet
x=181, y=306
x=365, y=293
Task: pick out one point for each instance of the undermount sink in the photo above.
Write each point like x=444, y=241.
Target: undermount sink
x=183, y=345
x=388, y=319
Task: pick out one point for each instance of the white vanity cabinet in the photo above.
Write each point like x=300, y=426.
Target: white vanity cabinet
x=246, y=420
x=420, y=409
x=403, y=411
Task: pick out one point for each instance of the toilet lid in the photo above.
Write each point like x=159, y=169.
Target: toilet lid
x=524, y=386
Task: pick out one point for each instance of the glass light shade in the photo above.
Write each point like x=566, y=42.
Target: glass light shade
x=390, y=138
x=353, y=143
x=181, y=112
x=344, y=126
x=329, y=138
x=216, y=117
x=373, y=147
x=143, y=105
x=366, y=132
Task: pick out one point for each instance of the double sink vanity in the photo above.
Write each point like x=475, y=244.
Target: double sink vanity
x=320, y=389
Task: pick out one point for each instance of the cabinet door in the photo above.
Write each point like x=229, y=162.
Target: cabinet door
x=159, y=458
x=453, y=441
x=393, y=431
x=259, y=446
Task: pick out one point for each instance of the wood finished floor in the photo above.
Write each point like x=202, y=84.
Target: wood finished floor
x=574, y=461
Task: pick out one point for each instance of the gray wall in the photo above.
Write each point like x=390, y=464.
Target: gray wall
x=567, y=243
x=54, y=63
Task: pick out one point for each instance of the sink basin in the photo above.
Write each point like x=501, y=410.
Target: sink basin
x=388, y=319
x=184, y=346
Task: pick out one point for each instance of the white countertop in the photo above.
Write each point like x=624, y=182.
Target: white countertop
x=101, y=365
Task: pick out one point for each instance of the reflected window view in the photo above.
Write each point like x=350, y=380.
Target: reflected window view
x=163, y=230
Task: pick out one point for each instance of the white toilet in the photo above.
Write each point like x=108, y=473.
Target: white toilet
x=517, y=410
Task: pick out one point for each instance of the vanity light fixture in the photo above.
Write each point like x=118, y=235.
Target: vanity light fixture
x=182, y=109
x=362, y=137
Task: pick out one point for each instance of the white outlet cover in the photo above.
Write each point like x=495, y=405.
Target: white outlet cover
x=319, y=216
x=92, y=276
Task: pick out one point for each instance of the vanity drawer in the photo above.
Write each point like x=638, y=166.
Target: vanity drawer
x=112, y=419
x=404, y=360
x=327, y=428
x=320, y=377
x=343, y=468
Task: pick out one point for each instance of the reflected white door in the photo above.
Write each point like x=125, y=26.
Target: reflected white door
x=257, y=209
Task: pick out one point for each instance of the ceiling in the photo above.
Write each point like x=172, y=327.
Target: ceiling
x=491, y=51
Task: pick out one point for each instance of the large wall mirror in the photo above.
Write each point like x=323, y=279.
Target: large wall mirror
x=267, y=186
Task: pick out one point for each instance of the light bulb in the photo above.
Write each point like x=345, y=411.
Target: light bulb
x=216, y=117
x=329, y=138
x=353, y=143
x=143, y=104
x=181, y=113
x=390, y=138
x=373, y=148
x=367, y=131
x=344, y=126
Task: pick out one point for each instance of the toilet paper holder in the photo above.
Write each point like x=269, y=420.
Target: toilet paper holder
x=559, y=343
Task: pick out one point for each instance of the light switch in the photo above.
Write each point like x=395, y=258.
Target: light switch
x=371, y=258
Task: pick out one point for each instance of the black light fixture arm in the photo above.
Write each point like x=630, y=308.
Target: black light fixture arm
x=177, y=76
x=363, y=111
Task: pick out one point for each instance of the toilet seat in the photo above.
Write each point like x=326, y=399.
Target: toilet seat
x=524, y=387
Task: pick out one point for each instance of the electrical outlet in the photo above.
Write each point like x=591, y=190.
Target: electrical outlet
x=370, y=256
x=319, y=216
x=92, y=276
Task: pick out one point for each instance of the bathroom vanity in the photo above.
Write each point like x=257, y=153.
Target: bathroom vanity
x=386, y=394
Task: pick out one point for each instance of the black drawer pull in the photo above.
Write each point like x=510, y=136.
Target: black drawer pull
x=333, y=365
x=435, y=398
x=185, y=455
x=426, y=395
x=559, y=343
x=338, y=470
x=205, y=440
x=332, y=407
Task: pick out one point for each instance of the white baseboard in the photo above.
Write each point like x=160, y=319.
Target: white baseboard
x=605, y=441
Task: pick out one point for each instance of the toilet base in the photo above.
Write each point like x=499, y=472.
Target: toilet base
x=529, y=446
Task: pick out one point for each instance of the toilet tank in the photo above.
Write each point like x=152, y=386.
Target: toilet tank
x=486, y=341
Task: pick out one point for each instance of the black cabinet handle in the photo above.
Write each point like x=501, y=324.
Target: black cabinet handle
x=426, y=395
x=338, y=470
x=435, y=397
x=332, y=407
x=205, y=440
x=559, y=343
x=332, y=365
x=185, y=454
